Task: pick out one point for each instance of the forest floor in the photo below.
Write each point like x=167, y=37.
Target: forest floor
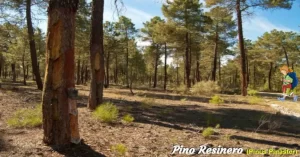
x=170, y=119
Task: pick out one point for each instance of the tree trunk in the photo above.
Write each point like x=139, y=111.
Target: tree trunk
x=116, y=69
x=248, y=70
x=254, y=76
x=13, y=70
x=270, y=76
x=166, y=75
x=242, y=50
x=177, y=75
x=24, y=70
x=1, y=68
x=155, y=67
x=78, y=72
x=35, y=69
x=96, y=55
x=107, y=69
x=197, y=68
x=82, y=72
x=293, y=66
x=86, y=77
x=286, y=56
x=27, y=71
x=60, y=115
x=127, y=60
x=187, y=61
x=5, y=71
x=214, y=71
x=220, y=68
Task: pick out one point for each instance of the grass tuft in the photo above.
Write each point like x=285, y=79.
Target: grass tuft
x=216, y=100
x=26, y=118
x=119, y=149
x=254, y=100
x=106, y=112
x=128, y=118
x=208, y=132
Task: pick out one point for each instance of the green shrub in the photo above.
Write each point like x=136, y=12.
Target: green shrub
x=147, y=103
x=26, y=118
x=205, y=88
x=128, y=118
x=208, y=132
x=181, y=89
x=216, y=100
x=119, y=149
x=106, y=112
x=254, y=100
x=183, y=99
x=252, y=92
x=217, y=126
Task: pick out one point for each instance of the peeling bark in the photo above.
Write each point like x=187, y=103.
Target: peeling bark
x=59, y=124
x=96, y=55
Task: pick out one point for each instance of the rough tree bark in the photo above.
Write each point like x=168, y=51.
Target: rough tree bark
x=96, y=55
x=60, y=116
x=242, y=50
x=33, y=56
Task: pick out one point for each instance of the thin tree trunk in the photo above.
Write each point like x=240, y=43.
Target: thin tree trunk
x=78, y=72
x=248, y=70
x=242, y=50
x=187, y=61
x=286, y=56
x=177, y=75
x=107, y=69
x=220, y=79
x=5, y=71
x=86, y=78
x=13, y=70
x=214, y=71
x=0, y=68
x=116, y=70
x=27, y=71
x=24, y=70
x=35, y=68
x=155, y=67
x=270, y=76
x=127, y=60
x=166, y=75
x=60, y=115
x=254, y=76
x=96, y=55
x=293, y=66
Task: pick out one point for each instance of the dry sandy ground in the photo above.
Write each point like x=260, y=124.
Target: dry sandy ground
x=170, y=119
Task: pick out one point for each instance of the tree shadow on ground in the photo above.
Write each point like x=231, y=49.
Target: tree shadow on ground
x=176, y=97
x=79, y=150
x=191, y=117
x=4, y=144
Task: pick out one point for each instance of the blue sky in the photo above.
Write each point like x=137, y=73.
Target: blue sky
x=262, y=21
x=254, y=26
